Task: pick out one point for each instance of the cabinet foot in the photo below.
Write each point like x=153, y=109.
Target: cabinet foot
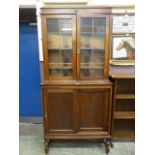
x=46, y=143
x=107, y=143
x=111, y=144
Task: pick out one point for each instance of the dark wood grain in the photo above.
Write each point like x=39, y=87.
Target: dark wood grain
x=60, y=111
x=107, y=45
x=78, y=111
x=93, y=110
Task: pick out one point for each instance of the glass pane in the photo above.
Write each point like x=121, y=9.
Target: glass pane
x=91, y=72
x=59, y=32
x=92, y=38
x=60, y=72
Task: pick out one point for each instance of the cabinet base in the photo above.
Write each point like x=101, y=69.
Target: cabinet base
x=107, y=142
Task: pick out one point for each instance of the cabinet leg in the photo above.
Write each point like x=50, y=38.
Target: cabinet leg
x=111, y=144
x=46, y=143
x=107, y=143
x=106, y=149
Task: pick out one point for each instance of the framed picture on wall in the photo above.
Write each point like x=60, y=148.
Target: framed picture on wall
x=123, y=50
x=123, y=24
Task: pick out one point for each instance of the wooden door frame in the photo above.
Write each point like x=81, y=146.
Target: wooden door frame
x=45, y=46
x=107, y=41
x=45, y=93
x=108, y=116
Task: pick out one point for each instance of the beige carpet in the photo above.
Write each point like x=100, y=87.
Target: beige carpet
x=31, y=143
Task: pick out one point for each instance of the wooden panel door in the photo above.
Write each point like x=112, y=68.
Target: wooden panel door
x=59, y=109
x=94, y=110
x=59, y=44
x=92, y=46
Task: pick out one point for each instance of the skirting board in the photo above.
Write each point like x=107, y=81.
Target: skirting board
x=28, y=119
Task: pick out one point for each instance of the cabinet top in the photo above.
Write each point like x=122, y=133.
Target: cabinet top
x=88, y=7
x=122, y=72
x=72, y=9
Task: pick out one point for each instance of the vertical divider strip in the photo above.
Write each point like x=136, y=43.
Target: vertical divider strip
x=78, y=46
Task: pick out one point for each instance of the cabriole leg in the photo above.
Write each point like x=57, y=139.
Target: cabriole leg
x=107, y=143
x=111, y=144
x=46, y=143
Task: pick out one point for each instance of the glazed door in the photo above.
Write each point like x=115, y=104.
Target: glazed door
x=59, y=36
x=94, y=110
x=92, y=46
x=59, y=110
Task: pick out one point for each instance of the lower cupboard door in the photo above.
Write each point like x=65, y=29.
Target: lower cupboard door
x=94, y=110
x=59, y=108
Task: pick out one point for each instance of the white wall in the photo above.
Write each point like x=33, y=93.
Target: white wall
x=89, y=2
x=111, y=2
x=27, y=3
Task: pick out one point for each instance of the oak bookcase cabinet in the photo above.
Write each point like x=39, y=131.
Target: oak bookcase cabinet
x=76, y=91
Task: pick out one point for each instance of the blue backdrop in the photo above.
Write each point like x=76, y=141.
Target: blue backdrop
x=29, y=72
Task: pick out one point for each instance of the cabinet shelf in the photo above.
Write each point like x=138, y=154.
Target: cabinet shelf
x=124, y=135
x=60, y=33
x=57, y=49
x=124, y=129
x=123, y=121
x=90, y=49
x=124, y=115
x=125, y=96
x=93, y=33
x=82, y=49
x=60, y=66
x=91, y=67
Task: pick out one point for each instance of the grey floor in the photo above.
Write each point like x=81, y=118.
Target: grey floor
x=31, y=143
